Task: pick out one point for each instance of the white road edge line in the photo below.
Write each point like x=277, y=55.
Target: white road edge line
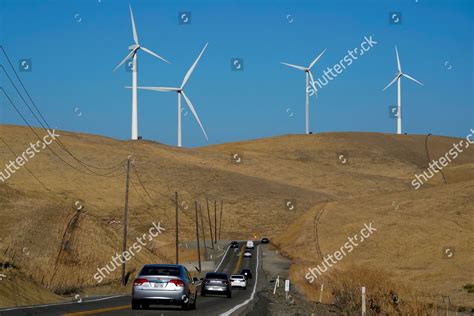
x=59, y=304
x=235, y=308
x=222, y=260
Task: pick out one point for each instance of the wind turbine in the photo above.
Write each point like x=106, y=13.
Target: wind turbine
x=397, y=78
x=180, y=92
x=309, y=76
x=134, y=48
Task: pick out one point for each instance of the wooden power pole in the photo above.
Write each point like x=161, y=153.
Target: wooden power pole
x=215, y=221
x=125, y=220
x=177, y=227
x=203, y=232
x=197, y=234
x=220, y=220
x=210, y=223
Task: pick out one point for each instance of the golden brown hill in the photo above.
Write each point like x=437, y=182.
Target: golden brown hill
x=43, y=239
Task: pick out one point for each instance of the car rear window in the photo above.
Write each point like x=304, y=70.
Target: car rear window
x=216, y=276
x=169, y=271
x=237, y=277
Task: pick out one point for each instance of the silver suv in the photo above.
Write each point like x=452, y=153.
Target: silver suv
x=164, y=284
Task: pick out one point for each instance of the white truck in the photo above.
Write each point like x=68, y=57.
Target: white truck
x=249, y=245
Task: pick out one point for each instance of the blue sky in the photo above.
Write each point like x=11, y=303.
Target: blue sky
x=74, y=46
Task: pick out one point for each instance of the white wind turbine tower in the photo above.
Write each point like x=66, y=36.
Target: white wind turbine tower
x=398, y=78
x=180, y=92
x=133, y=54
x=309, y=76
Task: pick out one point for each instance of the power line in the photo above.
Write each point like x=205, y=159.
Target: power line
x=54, y=194
x=28, y=169
x=42, y=125
x=141, y=183
x=21, y=82
x=32, y=129
x=42, y=117
x=49, y=148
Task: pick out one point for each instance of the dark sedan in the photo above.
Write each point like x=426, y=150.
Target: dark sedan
x=216, y=283
x=247, y=273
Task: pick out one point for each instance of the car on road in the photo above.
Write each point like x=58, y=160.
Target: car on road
x=265, y=240
x=216, y=283
x=249, y=245
x=247, y=273
x=164, y=284
x=238, y=280
x=247, y=254
x=234, y=244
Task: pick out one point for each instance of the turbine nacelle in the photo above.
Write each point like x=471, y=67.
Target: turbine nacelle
x=400, y=74
x=181, y=93
x=132, y=51
x=135, y=47
x=397, y=79
x=309, y=80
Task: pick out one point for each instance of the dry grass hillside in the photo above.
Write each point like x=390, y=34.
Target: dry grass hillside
x=50, y=245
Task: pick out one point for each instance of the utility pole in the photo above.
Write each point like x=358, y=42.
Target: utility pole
x=125, y=220
x=202, y=232
x=215, y=221
x=177, y=227
x=197, y=234
x=210, y=224
x=220, y=220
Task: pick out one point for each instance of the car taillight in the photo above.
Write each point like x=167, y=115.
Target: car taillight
x=139, y=281
x=177, y=282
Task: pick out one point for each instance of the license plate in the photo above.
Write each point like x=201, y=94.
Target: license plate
x=216, y=289
x=159, y=285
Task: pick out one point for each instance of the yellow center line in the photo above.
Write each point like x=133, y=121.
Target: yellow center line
x=99, y=311
x=239, y=261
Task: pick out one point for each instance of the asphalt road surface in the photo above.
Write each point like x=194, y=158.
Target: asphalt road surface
x=233, y=262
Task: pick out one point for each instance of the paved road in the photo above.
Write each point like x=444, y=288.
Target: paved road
x=231, y=263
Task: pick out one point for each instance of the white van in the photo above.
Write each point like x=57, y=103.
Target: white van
x=249, y=245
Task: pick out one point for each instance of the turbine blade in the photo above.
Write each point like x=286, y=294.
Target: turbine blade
x=312, y=83
x=391, y=82
x=398, y=60
x=190, y=71
x=135, y=36
x=411, y=78
x=294, y=66
x=191, y=107
x=161, y=89
x=126, y=58
x=154, y=54
x=316, y=59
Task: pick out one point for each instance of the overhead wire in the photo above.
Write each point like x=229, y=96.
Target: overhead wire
x=49, y=148
x=60, y=143
x=54, y=194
